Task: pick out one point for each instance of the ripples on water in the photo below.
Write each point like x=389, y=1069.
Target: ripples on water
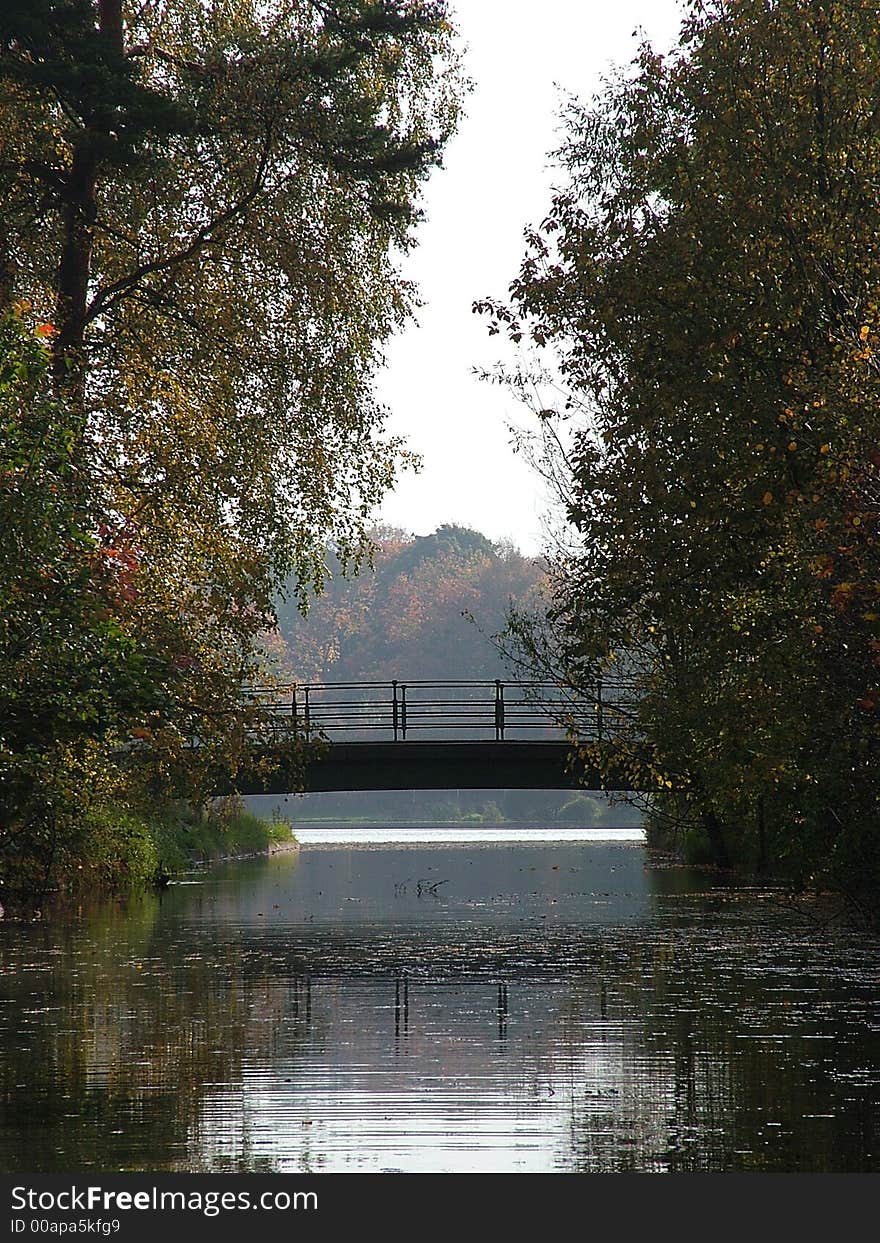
x=504, y=1006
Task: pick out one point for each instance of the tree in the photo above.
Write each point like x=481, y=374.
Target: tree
x=204, y=205
x=426, y=610
x=70, y=673
x=708, y=280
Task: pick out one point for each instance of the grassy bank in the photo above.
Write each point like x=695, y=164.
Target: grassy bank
x=112, y=847
x=228, y=829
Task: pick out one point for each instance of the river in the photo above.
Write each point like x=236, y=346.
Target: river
x=467, y=1005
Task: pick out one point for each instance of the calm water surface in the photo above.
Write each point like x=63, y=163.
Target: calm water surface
x=496, y=1006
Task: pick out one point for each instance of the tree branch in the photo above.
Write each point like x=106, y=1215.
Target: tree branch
x=113, y=293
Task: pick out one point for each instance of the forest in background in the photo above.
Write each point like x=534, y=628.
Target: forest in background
x=429, y=607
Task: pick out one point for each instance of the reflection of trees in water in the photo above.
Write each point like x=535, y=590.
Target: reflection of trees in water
x=730, y=1066
x=108, y=1050
x=677, y=1044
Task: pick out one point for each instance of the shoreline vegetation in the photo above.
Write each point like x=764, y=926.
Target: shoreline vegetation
x=464, y=822
x=225, y=830
x=121, y=848
x=468, y=808
x=697, y=331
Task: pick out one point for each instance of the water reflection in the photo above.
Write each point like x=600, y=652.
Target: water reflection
x=496, y=1007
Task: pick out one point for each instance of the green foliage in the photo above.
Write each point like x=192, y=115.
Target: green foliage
x=117, y=849
x=71, y=674
x=109, y=846
x=67, y=667
x=709, y=283
x=184, y=835
x=204, y=207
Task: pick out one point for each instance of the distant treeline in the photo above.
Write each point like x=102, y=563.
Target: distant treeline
x=426, y=608
x=537, y=808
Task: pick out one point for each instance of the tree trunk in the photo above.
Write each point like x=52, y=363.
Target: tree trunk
x=7, y=277
x=79, y=212
x=714, y=832
x=762, y=837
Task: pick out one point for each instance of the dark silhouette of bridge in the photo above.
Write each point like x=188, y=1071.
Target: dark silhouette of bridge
x=436, y=735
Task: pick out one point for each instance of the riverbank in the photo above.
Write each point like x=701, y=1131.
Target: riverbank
x=225, y=830
x=116, y=847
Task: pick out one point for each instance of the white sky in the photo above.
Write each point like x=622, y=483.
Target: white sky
x=496, y=179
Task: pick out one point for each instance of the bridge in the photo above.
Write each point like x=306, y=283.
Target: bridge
x=434, y=735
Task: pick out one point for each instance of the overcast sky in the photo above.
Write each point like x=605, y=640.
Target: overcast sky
x=496, y=179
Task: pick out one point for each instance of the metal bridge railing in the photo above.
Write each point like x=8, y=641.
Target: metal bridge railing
x=459, y=710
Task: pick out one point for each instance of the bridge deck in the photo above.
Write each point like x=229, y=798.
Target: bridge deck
x=433, y=766
x=431, y=735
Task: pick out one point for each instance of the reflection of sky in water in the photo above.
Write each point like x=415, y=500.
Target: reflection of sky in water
x=469, y=1083
x=408, y=1070
x=384, y=890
